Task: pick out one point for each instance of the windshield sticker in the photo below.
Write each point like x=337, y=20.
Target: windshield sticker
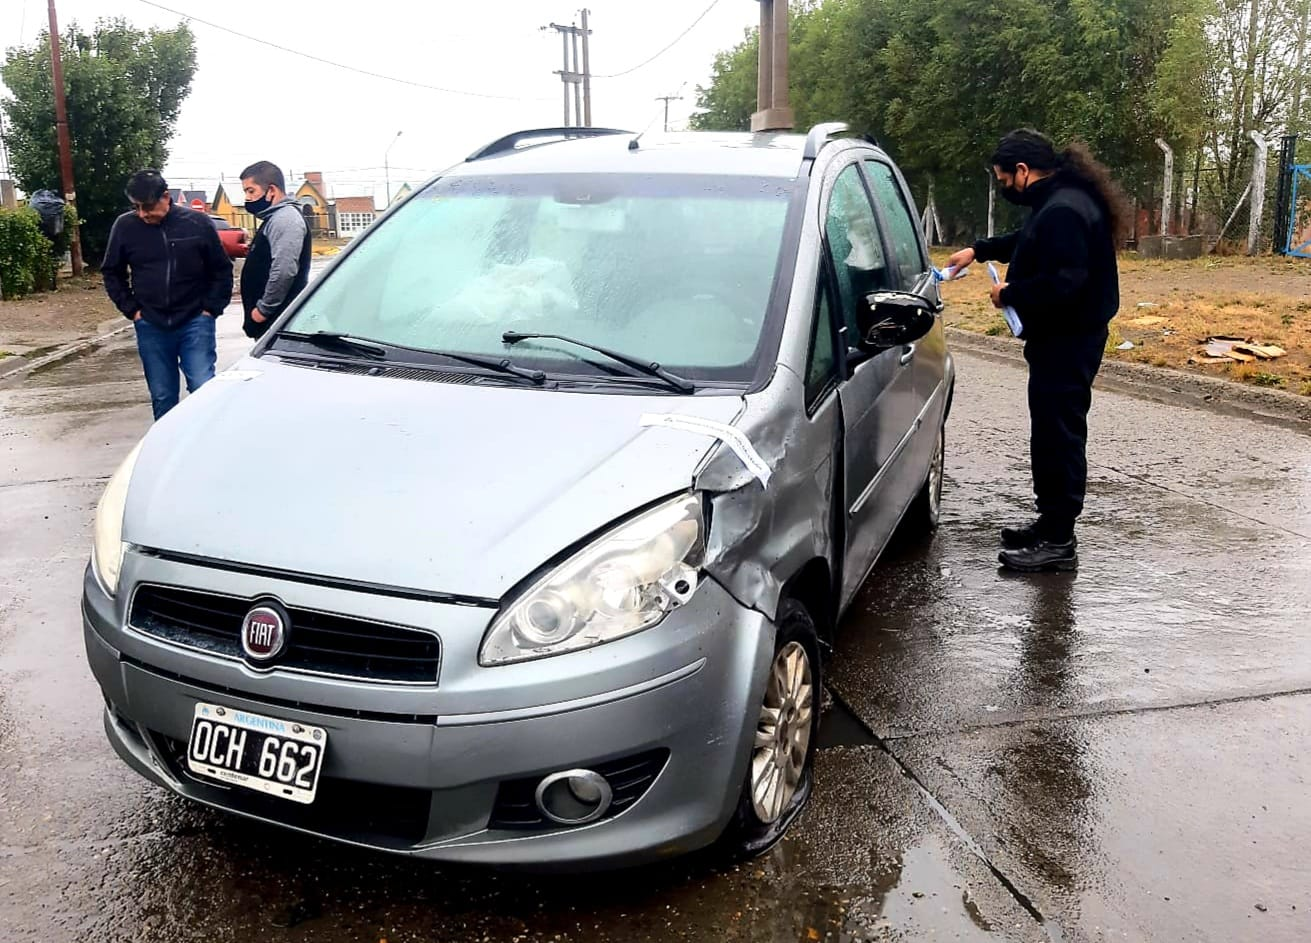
x=733, y=437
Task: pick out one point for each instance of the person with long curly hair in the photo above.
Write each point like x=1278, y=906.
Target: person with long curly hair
x=1063, y=282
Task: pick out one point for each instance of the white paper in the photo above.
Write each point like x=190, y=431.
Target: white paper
x=1009, y=313
x=733, y=437
x=237, y=376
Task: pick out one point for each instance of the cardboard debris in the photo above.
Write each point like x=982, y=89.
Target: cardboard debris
x=1127, y=345
x=1261, y=351
x=1148, y=304
x=1240, y=349
x=1148, y=320
x=1204, y=358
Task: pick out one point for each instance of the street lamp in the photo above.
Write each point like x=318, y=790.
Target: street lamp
x=387, y=169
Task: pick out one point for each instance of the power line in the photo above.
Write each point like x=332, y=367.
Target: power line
x=339, y=65
x=677, y=39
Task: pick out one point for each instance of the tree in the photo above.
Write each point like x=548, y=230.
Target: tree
x=125, y=89
x=1253, y=74
x=938, y=82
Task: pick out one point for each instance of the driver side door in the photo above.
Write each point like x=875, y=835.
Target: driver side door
x=878, y=395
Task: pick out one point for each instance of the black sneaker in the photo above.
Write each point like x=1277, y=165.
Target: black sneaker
x=1017, y=538
x=1043, y=557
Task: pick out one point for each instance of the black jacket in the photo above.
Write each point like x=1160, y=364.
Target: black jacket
x=1063, y=279
x=170, y=272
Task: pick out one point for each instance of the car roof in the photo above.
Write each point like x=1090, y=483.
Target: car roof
x=694, y=152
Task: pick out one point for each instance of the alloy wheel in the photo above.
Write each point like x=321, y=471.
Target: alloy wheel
x=782, y=733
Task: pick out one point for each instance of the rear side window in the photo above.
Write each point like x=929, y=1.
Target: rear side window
x=902, y=233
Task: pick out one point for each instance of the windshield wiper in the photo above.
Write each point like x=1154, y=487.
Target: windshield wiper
x=381, y=349
x=651, y=369
x=338, y=341
x=502, y=364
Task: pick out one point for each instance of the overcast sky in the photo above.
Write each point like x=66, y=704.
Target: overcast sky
x=250, y=102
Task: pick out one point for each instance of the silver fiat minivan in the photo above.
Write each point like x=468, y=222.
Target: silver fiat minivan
x=518, y=538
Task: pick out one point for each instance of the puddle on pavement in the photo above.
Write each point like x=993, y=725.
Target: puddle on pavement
x=839, y=727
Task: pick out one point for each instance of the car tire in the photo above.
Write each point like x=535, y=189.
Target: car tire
x=926, y=510
x=780, y=772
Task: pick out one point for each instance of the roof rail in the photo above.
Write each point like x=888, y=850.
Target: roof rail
x=819, y=136
x=511, y=141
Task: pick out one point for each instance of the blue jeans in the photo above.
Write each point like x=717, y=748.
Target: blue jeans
x=190, y=346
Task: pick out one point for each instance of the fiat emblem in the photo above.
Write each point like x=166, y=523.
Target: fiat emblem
x=264, y=633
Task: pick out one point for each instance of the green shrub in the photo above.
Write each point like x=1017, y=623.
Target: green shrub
x=27, y=259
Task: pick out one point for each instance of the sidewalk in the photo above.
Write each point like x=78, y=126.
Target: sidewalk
x=48, y=327
x=47, y=321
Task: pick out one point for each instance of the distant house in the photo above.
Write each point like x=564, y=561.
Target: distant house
x=184, y=197
x=312, y=196
x=235, y=213
x=354, y=215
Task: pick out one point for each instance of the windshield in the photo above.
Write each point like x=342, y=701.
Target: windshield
x=670, y=269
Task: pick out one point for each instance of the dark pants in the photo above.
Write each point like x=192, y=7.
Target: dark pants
x=190, y=346
x=1061, y=374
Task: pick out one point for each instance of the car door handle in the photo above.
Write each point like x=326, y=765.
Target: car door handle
x=908, y=355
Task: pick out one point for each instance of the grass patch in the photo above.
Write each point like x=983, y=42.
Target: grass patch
x=1266, y=298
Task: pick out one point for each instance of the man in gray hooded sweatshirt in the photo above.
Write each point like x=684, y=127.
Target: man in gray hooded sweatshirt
x=277, y=268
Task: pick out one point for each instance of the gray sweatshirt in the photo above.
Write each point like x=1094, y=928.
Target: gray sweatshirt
x=285, y=229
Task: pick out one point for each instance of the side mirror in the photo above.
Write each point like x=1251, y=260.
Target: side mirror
x=893, y=318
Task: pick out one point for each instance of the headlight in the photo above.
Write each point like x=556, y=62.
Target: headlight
x=626, y=581
x=107, y=545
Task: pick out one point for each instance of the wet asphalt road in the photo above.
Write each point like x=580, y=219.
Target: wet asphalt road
x=1121, y=755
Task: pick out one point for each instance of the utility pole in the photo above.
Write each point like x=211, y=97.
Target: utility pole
x=386, y=169
x=667, y=99
x=65, y=144
x=587, y=73
x=773, y=111
x=576, y=71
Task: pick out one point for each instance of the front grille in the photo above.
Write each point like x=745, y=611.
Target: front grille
x=319, y=642
x=629, y=778
x=386, y=816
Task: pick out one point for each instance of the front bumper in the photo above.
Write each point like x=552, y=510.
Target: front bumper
x=417, y=769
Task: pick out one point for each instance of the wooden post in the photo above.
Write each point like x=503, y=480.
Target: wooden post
x=65, y=142
x=773, y=112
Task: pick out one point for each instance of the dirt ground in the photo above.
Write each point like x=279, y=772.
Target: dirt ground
x=77, y=309
x=1169, y=309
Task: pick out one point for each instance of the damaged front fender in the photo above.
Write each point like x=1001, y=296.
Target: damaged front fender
x=762, y=534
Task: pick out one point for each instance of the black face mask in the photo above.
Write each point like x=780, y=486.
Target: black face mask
x=255, y=207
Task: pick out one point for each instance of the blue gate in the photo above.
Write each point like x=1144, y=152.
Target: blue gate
x=1298, y=241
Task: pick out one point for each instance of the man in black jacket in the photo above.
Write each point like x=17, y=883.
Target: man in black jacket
x=166, y=271
x=1063, y=283
x=277, y=268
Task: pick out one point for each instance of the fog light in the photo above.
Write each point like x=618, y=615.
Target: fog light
x=573, y=797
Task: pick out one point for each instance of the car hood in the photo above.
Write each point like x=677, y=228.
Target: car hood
x=442, y=487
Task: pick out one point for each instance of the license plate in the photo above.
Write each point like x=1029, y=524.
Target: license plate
x=276, y=757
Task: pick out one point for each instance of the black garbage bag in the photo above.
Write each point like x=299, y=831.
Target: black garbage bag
x=50, y=207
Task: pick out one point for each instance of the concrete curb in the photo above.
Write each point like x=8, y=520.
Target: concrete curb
x=1163, y=385
x=25, y=366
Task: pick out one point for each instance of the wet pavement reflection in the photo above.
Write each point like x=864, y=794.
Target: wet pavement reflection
x=1117, y=754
